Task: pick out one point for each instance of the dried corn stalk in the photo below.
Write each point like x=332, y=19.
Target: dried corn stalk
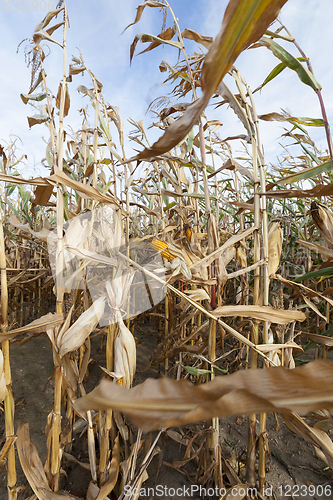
x=3, y=388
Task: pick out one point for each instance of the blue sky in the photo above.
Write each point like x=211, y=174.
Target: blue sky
x=96, y=28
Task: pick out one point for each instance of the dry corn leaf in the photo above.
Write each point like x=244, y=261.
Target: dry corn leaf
x=206, y=261
x=197, y=294
x=317, y=437
x=140, y=9
x=48, y=18
x=43, y=235
x=324, y=251
x=33, y=468
x=67, y=99
x=113, y=472
x=228, y=255
x=263, y=313
x=164, y=37
x=39, y=325
x=320, y=339
x=305, y=289
x=86, y=191
x=224, y=91
x=156, y=404
x=93, y=491
x=42, y=195
x=38, y=36
x=17, y=179
x=206, y=41
x=272, y=347
x=317, y=191
x=313, y=306
x=75, y=336
x=244, y=22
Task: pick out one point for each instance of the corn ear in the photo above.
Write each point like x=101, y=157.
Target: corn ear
x=159, y=245
x=75, y=336
x=124, y=353
x=323, y=220
x=275, y=239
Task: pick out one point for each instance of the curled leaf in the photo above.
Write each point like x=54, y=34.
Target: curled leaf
x=161, y=403
x=74, y=337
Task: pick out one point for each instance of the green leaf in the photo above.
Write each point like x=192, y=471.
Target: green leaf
x=275, y=72
x=289, y=60
x=307, y=173
x=169, y=206
x=195, y=371
x=309, y=122
x=220, y=369
x=32, y=97
x=308, y=152
x=321, y=273
x=11, y=190
x=13, y=209
x=190, y=140
x=277, y=35
x=103, y=126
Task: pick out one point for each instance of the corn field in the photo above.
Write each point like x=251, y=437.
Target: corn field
x=209, y=271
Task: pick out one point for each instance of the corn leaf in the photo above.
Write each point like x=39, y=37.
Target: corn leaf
x=289, y=60
x=156, y=404
x=244, y=22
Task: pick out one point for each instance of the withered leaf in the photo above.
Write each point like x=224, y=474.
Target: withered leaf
x=161, y=403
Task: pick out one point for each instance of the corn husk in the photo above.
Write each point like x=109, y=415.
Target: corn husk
x=124, y=353
x=323, y=220
x=241, y=255
x=275, y=239
x=72, y=338
x=118, y=289
x=273, y=355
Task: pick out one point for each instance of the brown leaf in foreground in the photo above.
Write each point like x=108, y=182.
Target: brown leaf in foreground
x=244, y=22
x=33, y=468
x=156, y=404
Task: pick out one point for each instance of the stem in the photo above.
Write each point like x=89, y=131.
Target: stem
x=9, y=400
